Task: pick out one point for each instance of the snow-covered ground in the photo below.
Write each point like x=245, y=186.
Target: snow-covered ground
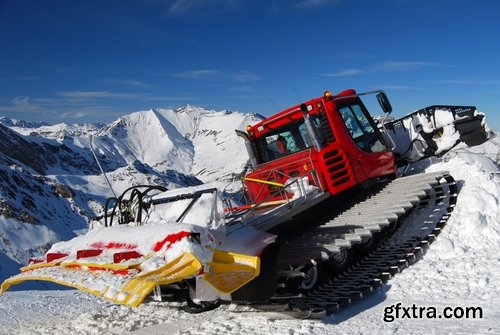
x=461, y=270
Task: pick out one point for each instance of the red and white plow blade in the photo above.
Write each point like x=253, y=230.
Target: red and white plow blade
x=124, y=263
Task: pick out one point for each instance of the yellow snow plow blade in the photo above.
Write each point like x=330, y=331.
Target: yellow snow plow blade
x=230, y=271
x=127, y=285
x=123, y=289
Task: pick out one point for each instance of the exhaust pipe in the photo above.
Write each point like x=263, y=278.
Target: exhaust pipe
x=248, y=145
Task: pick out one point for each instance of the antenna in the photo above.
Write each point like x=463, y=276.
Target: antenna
x=100, y=166
x=297, y=94
x=275, y=106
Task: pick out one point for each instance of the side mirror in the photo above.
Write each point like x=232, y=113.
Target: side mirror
x=383, y=100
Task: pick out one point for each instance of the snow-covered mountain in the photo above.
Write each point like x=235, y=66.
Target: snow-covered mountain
x=189, y=140
x=22, y=124
x=50, y=183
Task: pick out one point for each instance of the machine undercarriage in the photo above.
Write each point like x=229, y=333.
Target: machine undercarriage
x=329, y=265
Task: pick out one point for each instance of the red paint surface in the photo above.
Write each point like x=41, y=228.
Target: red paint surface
x=86, y=253
x=125, y=256
x=55, y=255
x=171, y=239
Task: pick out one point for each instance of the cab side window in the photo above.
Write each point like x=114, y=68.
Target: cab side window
x=360, y=128
x=289, y=139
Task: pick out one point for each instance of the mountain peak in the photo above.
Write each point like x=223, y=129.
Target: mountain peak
x=8, y=122
x=192, y=109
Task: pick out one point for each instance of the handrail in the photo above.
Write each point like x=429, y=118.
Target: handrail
x=272, y=183
x=282, y=190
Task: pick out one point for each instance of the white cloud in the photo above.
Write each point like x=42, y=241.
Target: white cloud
x=403, y=66
x=242, y=89
x=343, y=73
x=211, y=74
x=100, y=95
x=17, y=109
x=198, y=74
x=21, y=104
x=246, y=76
x=84, y=94
x=387, y=66
x=77, y=115
x=396, y=87
x=131, y=83
x=468, y=82
x=21, y=101
x=182, y=6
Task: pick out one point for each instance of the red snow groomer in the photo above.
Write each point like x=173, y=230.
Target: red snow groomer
x=328, y=210
x=338, y=139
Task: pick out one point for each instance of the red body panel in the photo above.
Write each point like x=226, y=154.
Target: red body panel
x=86, y=253
x=125, y=256
x=339, y=164
x=52, y=256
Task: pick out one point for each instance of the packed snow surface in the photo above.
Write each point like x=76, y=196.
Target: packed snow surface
x=461, y=270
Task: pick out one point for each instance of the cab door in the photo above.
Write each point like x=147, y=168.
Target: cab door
x=369, y=155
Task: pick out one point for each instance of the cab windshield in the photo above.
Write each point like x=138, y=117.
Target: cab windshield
x=287, y=140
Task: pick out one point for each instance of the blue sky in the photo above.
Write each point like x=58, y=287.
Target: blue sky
x=86, y=61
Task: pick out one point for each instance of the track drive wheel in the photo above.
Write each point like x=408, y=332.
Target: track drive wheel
x=311, y=277
x=339, y=261
x=368, y=244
